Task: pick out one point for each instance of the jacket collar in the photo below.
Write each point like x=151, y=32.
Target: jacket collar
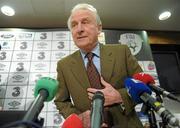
x=79, y=71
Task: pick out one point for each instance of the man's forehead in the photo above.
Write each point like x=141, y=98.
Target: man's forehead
x=81, y=14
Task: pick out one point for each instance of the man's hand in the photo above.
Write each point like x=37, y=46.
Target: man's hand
x=111, y=95
x=85, y=118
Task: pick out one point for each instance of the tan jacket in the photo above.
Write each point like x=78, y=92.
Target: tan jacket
x=117, y=63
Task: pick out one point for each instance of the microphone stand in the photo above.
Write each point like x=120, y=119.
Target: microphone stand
x=151, y=116
x=150, y=113
x=164, y=123
x=152, y=119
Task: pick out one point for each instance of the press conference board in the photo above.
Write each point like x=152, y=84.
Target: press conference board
x=28, y=55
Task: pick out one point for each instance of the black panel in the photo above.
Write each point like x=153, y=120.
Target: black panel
x=7, y=117
x=168, y=68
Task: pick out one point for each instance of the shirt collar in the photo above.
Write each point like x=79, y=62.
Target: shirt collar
x=96, y=51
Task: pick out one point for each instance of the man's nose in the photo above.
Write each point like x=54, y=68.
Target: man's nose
x=80, y=28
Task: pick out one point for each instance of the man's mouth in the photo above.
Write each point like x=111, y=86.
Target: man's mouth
x=81, y=37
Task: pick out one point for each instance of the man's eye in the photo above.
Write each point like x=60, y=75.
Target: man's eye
x=85, y=22
x=73, y=25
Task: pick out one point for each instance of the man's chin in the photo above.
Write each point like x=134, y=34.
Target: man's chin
x=81, y=42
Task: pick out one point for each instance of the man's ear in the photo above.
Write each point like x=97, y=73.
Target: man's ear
x=99, y=28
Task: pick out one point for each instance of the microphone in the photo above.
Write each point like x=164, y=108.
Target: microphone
x=136, y=88
x=97, y=110
x=149, y=80
x=141, y=93
x=45, y=90
x=72, y=121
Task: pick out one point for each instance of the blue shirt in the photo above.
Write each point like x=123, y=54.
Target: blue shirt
x=96, y=58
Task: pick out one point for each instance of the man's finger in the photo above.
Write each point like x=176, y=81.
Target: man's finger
x=104, y=83
x=90, y=95
x=92, y=90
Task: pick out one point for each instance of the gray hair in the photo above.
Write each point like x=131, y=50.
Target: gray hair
x=84, y=7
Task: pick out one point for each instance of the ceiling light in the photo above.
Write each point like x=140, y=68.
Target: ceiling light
x=165, y=15
x=7, y=10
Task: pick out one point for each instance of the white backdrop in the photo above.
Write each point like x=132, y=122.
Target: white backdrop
x=25, y=57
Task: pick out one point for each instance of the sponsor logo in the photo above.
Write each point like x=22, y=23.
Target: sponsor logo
x=60, y=55
x=61, y=45
x=16, y=92
x=151, y=66
x=133, y=41
x=18, y=77
x=40, y=65
x=2, y=65
x=61, y=35
x=14, y=104
x=7, y=36
x=25, y=35
x=5, y=44
x=22, y=55
x=42, y=44
x=57, y=118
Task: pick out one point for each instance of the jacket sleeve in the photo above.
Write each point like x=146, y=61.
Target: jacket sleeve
x=63, y=99
x=132, y=67
x=132, y=63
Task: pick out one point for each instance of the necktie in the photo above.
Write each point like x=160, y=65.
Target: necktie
x=93, y=74
x=94, y=79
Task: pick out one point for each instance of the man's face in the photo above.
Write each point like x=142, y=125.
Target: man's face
x=84, y=29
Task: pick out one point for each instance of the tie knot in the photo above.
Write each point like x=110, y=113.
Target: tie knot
x=89, y=56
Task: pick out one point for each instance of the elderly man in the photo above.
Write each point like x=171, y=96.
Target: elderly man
x=111, y=65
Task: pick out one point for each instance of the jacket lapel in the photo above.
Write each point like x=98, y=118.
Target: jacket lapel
x=79, y=71
x=107, y=60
